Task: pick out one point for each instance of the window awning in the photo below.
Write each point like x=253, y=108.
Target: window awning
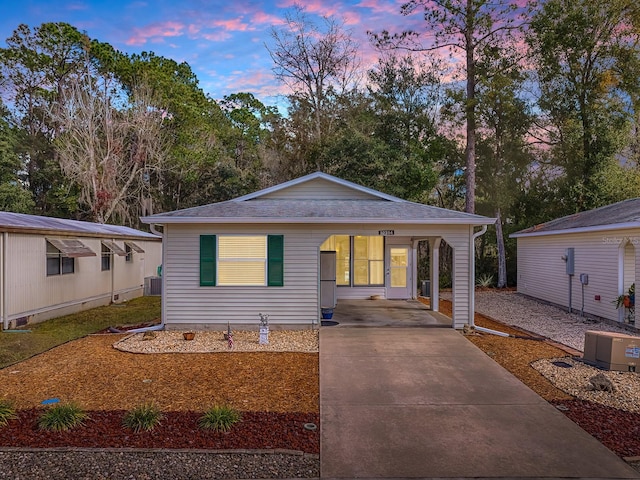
x=111, y=245
x=134, y=247
x=71, y=247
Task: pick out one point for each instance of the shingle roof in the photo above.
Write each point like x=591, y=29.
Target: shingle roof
x=625, y=213
x=22, y=222
x=317, y=211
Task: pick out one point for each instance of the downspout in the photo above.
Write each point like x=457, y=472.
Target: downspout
x=472, y=276
x=5, y=287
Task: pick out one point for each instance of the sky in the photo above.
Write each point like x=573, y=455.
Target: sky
x=222, y=41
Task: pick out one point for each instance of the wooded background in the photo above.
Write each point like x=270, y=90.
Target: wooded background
x=523, y=113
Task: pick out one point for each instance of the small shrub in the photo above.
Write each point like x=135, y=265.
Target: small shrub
x=144, y=417
x=7, y=412
x=220, y=418
x=485, y=280
x=62, y=417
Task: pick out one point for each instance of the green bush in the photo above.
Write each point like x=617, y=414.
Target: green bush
x=62, y=417
x=485, y=280
x=144, y=417
x=220, y=418
x=7, y=412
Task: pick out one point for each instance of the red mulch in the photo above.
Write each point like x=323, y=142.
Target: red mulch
x=104, y=429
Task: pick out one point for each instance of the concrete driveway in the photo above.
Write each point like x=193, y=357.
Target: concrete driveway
x=387, y=313
x=426, y=403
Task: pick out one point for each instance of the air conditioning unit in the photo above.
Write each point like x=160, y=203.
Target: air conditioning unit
x=612, y=351
x=152, y=286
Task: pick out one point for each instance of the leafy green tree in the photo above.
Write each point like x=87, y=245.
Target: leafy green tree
x=461, y=27
x=587, y=61
x=14, y=197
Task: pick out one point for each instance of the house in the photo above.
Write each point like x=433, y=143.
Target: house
x=260, y=253
x=595, y=253
x=51, y=267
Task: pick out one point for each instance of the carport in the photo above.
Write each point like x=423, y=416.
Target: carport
x=386, y=313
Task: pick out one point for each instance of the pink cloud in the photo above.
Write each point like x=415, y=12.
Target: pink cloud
x=155, y=32
x=351, y=18
x=217, y=36
x=377, y=6
x=233, y=24
x=264, y=17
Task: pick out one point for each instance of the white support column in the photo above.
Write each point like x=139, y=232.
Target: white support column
x=434, y=266
x=414, y=269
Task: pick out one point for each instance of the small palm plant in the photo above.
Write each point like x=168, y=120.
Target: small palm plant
x=7, y=412
x=143, y=417
x=62, y=417
x=219, y=418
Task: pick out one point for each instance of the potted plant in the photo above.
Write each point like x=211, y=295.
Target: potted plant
x=189, y=335
x=627, y=300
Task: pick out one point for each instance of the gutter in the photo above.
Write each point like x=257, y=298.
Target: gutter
x=472, y=253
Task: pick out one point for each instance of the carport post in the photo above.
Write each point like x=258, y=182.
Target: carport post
x=434, y=266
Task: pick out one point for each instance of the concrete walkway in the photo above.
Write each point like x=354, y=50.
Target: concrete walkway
x=426, y=403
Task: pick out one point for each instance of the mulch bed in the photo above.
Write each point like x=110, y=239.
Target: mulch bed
x=276, y=392
x=177, y=430
x=616, y=429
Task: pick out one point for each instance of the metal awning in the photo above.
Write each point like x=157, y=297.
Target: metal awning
x=111, y=245
x=71, y=247
x=134, y=247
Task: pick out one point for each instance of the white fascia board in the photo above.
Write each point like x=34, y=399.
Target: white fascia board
x=595, y=228
x=316, y=220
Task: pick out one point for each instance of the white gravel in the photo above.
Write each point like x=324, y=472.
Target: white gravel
x=549, y=321
x=214, y=341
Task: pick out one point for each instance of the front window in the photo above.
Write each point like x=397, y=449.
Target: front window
x=128, y=253
x=359, y=259
x=57, y=263
x=242, y=260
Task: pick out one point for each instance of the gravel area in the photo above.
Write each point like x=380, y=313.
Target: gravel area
x=573, y=377
x=141, y=465
x=547, y=320
x=214, y=341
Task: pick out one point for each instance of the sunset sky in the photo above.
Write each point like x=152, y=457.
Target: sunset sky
x=223, y=41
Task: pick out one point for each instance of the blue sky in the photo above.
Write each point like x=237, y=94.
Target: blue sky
x=223, y=41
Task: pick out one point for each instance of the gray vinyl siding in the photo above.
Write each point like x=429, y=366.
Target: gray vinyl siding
x=188, y=304
x=542, y=272
x=319, y=189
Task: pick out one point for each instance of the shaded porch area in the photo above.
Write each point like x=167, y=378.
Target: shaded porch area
x=387, y=313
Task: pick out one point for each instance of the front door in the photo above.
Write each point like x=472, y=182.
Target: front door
x=398, y=281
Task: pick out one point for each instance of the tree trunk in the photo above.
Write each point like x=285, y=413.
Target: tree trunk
x=470, y=110
x=502, y=258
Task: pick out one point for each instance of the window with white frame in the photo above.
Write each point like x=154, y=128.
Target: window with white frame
x=57, y=262
x=359, y=259
x=106, y=258
x=128, y=253
x=242, y=260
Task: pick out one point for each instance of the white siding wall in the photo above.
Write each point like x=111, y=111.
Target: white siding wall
x=542, y=272
x=187, y=304
x=319, y=189
x=32, y=292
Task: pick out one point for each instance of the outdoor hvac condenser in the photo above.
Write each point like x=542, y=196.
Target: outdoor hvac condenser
x=612, y=351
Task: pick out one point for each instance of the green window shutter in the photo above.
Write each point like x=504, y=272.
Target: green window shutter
x=207, y=260
x=275, y=260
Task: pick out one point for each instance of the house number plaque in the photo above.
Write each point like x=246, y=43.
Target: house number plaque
x=386, y=233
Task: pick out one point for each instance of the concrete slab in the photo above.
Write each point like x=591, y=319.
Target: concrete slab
x=423, y=411
x=387, y=313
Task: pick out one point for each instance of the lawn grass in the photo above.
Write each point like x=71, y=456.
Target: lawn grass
x=15, y=347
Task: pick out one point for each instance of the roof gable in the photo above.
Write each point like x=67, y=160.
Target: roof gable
x=318, y=186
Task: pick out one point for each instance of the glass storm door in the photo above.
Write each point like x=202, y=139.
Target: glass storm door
x=398, y=272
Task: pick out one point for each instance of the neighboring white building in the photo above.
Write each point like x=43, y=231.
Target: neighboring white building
x=605, y=245
x=51, y=267
x=260, y=253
